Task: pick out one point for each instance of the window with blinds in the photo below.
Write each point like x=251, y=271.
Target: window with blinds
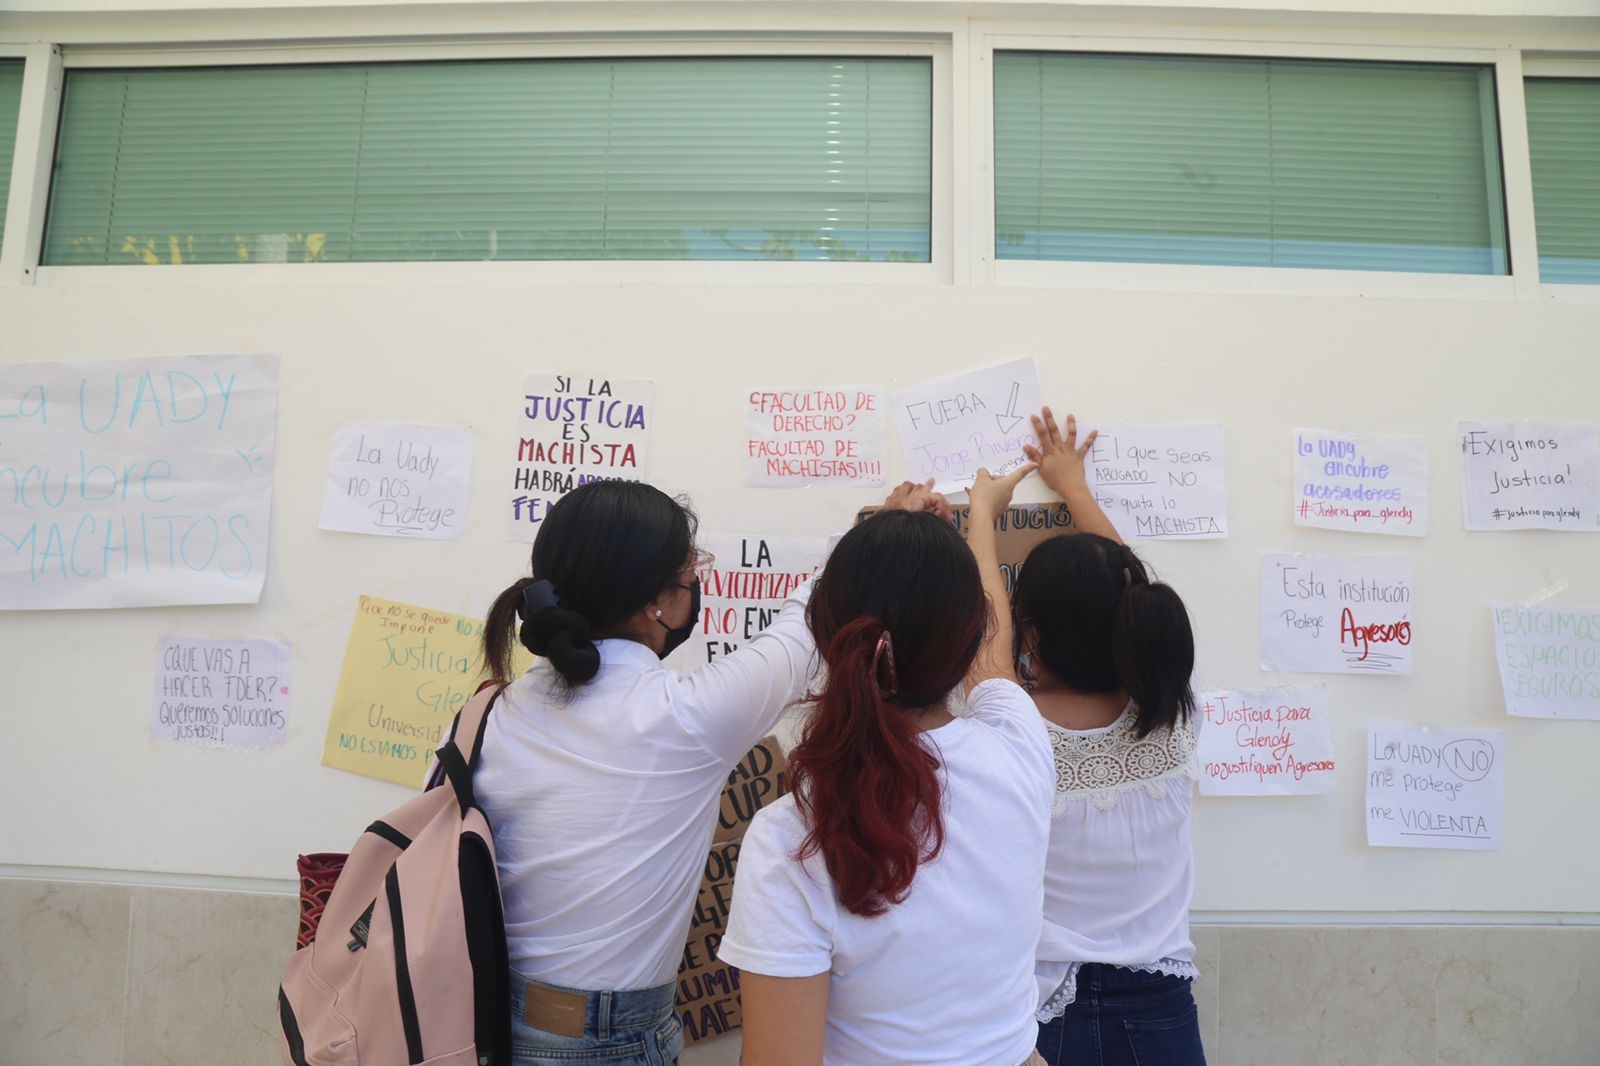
x=810, y=158
x=10, y=104
x=1248, y=162
x=1564, y=142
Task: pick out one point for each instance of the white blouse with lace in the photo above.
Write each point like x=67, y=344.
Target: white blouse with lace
x=1120, y=872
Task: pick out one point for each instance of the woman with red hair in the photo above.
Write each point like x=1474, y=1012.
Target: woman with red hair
x=888, y=908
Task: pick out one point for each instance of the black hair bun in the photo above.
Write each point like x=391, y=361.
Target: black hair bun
x=563, y=637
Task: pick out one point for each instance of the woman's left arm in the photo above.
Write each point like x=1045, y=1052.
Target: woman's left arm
x=785, y=1019
x=986, y=499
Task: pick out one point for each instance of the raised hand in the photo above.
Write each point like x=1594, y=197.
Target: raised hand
x=1060, y=461
x=990, y=495
x=915, y=496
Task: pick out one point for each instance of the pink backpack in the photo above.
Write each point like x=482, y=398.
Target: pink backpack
x=408, y=964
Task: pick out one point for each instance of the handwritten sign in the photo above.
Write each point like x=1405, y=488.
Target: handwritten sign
x=952, y=427
x=1435, y=788
x=1361, y=483
x=708, y=990
x=1549, y=660
x=1275, y=742
x=136, y=482
x=407, y=671
x=573, y=429
x=1161, y=482
x=814, y=436
x=217, y=692
x=743, y=588
x=1336, y=614
x=1530, y=475
x=395, y=480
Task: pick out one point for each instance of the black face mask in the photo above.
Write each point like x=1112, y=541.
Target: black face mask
x=676, y=636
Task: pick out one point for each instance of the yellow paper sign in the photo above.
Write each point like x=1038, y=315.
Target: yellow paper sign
x=407, y=671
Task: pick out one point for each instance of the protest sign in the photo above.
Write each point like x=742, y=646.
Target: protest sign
x=1361, y=483
x=801, y=437
x=742, y=588
x=573, y=429
x=136, y=482
x=1336, y=614
x=1435, y=788
x=952, y=427
x=1274, y=742
x=394, y=480
x=708, y=990
x=1160, y=482
x=1530, y=475
x=217, y=692
x=1549, y=660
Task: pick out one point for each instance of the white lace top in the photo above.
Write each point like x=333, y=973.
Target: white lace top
x=1121, y=868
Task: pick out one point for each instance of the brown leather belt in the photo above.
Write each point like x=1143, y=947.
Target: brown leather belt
x=555, y=1011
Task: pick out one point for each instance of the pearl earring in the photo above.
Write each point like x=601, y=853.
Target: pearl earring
x=658, y=612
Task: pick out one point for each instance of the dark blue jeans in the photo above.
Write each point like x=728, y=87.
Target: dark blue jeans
x=635, y=1028
x=1125, y=1018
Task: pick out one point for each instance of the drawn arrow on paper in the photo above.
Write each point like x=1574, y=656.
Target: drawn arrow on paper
x=1008, y=421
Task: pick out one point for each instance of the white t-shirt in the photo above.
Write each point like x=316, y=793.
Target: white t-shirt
x=603, y=802
x=945, y=977
x=1121, y=868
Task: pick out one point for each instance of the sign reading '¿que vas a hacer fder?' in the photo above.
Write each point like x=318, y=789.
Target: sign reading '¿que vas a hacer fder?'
x=136, y=482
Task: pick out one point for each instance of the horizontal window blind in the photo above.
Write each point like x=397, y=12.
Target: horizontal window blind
x=10, y=103
x=823, y=158
x=1247, y=162
x=1564, y=142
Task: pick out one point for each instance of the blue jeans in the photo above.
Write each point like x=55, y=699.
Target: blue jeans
x=1125, y=1018
x=634, y=1028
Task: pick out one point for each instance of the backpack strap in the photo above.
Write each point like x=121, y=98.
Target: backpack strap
x=473, y=722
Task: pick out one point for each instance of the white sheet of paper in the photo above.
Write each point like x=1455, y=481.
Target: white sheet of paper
x=1530, y=475
x=950, y=428
x=220, y=692
x=573, y=429
x=394, y=480
x=1361, y=483
x=1549, y=660
x=743, y=589
x=136, y=482
x=799, y=437
x=1161, y=481
x=1336, y=614
x=1435, y=788
x=1266, y=742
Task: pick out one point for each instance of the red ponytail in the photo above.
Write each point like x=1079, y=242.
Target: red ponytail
x=868, y=789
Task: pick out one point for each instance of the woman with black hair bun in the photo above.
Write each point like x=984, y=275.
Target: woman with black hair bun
x=601, y=768
x=1107, y=655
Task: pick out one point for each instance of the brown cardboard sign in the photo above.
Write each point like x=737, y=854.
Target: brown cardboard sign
x=708, y=990
x=1018, y=530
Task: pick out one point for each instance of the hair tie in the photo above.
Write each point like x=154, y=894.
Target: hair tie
x=1127, y=578
x=885, y=654
x=537, y=596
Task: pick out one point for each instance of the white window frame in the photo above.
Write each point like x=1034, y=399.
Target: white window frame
x=1538, y=66
x=30, y=164
x=1517, y=188
x=934, y=46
